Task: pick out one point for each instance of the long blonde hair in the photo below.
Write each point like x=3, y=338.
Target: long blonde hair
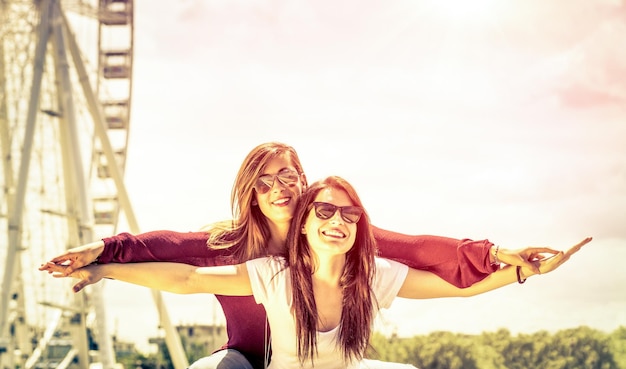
x=358, y=301
x=248, y=232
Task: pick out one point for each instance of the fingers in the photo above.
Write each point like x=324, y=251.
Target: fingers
x=63, y=271
x=574, y=249
x=553, y=262
x=50, y=267
x=542, y=250
x=57, y=270
x=68, y=270
x=528, y=262
x=80, y=285
x=61, y=259
x=44, y=267
x=54, y=266
x=557, y=260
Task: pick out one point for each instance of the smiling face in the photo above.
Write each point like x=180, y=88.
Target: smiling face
x=331, y=245
x=332, y=236
x=278, y=191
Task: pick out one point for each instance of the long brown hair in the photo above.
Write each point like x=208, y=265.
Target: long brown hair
x=357, y=308
x=248, y=232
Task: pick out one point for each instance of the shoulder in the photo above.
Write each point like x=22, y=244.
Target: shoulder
x=388, y=280
x=388, y=264
x=389, y=272
x=267, y=264
x=267, y=277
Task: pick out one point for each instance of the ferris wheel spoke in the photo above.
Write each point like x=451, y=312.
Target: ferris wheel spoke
x=54, y=163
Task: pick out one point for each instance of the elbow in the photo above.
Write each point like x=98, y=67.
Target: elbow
x=180, y=290
x=180, y=287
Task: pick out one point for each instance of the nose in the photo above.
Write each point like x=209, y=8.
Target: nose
x=336, y=217
x=278, y=183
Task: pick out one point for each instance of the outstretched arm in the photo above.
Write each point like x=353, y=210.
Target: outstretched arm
x=188, y=247
x=459, y=262
x=420, y=284
x=179, y=278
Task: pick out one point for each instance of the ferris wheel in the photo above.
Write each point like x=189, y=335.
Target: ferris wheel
x=65, y=98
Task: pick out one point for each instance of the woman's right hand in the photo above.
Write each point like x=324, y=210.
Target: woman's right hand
x=89, y=274
x=78, y=257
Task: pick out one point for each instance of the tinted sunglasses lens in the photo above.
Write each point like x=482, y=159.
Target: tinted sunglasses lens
x=288, y=177
x=351, y=214
x=324, y=211
x=264, y=184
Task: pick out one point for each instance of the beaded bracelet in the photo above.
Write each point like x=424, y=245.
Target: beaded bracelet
x=495, y=256
x=519, y=277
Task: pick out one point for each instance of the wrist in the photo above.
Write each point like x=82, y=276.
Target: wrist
x=98, y=250
x=493, y=255
x=523, y=273
x=104, y=270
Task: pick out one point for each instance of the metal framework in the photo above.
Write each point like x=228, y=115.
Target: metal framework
x=64, y=120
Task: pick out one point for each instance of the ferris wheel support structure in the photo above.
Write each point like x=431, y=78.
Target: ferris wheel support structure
x=80, y=214
x=50, y=31
x=171, y=335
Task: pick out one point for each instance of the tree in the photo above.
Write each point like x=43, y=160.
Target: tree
x=581, y=347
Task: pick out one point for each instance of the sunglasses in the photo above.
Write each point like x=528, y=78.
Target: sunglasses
x=350, y=214
x=265, y=182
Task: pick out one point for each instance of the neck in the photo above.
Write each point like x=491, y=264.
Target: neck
x=327, y=291
x=276, y=245
x=329, y=268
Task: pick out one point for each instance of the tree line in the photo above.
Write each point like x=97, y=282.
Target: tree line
x=577, y=348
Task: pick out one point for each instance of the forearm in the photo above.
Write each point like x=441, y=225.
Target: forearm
x=459, y=262
x=421, y=284
x=180, y=278
x=189, y=248
x=516, y=273
x=503, y=277
x=169, y=277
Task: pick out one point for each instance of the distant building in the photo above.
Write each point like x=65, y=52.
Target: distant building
x=123, y=349
x=198, y=337
x=209, y=337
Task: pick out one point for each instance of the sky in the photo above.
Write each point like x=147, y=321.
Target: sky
x=503, y=120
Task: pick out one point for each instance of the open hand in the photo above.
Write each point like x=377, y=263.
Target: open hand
x=526, y=257
x=78, y=257
x=88, y=275
x=549, y=264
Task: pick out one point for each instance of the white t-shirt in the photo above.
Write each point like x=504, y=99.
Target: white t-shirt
x=271, y=286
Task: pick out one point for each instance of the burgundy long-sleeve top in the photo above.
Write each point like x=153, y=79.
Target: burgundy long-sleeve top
x=460, y=262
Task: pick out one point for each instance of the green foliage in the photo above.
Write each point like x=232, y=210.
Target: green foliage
x=163, y=360
x=618, y=346
x=160, y=360
x=579, y=348
x=195, y=352
x=140, y=361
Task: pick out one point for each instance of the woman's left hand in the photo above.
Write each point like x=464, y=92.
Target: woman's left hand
x=551, y=263
x=527, y=257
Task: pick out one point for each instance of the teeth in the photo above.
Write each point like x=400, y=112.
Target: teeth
x=281, y=201
x=334, y=233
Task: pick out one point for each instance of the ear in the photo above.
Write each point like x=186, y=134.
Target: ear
x=303, y=180
x=254, y=202
x=303, y=230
